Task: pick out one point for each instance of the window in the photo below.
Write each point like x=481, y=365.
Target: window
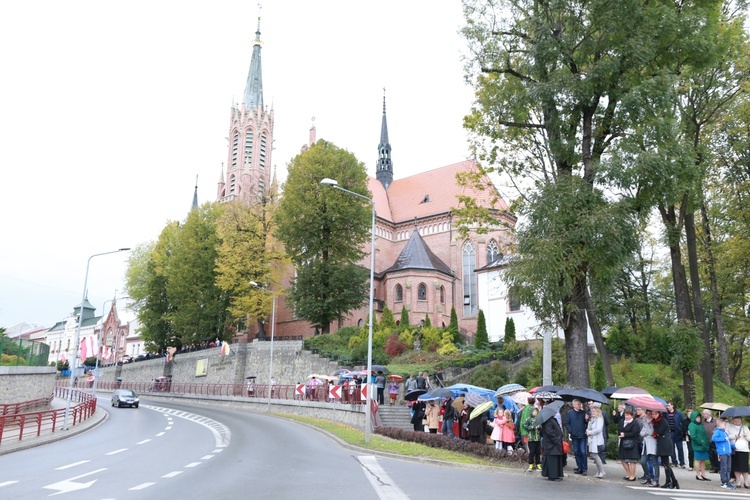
x=514, y=303
x=231, y=185
x=235, y=148
x=442, y=295
x=399, y=293
x=469, y=279
x=262, y=164
x=360, y=322
x=422, y=292
x=493, y=253
x=249, y=146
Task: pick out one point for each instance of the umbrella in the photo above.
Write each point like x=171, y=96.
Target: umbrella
x=715, y=406
x=379, y=368
x=413, y=395
x=585, y=394
x=736, y=411
x=340, y=372
x=546, y=395
x=458, y=403
x=441, y=392
x=548, y=412
x=534, y=389
x=251, y=376
x=482, y=408
x=629, y=392
x=395, y=378
x=509, y=389
x=609, y=391
x=321, y=377
x=546, y=388
x=426, y=397
x=647, y=403
x=473, y=399
x=522, y=398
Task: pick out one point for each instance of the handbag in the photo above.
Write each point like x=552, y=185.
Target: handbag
x=601, y=448
x=566, y=447
x=627, y=444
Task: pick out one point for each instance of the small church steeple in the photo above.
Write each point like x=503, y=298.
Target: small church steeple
x=384, y=167
x=195, y=195
x=254, y=87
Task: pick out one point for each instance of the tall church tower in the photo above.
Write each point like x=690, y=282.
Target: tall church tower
x=384, y=167
x=248, y=171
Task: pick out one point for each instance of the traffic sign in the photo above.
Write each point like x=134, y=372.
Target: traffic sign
x=300, y=389
x=335, y=392
x=364, y=391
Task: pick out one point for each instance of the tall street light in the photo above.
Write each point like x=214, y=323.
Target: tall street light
x=78, y=333
x=368, y=413
x=273, y=330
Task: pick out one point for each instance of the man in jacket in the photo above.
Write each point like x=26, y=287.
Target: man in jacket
x=575, y=423
x=449, y=415
x=674, y=419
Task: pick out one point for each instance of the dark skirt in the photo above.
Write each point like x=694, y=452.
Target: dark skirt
x=552, y=466
x=630, y=455
x=739, y=461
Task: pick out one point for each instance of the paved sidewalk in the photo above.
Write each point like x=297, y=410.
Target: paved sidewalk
x=9, y=444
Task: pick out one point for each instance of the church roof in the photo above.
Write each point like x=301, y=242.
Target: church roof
x=417, y=255
x=254, y=87
x=428, y=193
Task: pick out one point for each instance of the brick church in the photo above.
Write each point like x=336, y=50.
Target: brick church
x=422, y=264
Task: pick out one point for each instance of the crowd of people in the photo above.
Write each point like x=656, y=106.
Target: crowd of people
x=652, y=438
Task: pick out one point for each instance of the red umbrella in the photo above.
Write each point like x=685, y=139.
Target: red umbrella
x=646, y=402
x=629, y=392
x=395, y=378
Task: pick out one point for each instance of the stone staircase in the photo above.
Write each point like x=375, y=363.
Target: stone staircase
x=397, y=415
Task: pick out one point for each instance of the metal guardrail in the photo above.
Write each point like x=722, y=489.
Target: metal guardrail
x=13, y=408
x=16, y=426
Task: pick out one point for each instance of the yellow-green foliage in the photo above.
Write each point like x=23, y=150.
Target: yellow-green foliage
x=447, y=347
x=12, y=360
x=407, y=337
x=380, y=337
x=430, y=336
x=355, y=342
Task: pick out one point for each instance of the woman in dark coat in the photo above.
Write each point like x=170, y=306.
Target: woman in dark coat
x=630, y=431
x=477, y=427
x=418, y=415
x=664, y=448
x=552, y=450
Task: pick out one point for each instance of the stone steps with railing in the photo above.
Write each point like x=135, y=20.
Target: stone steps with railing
x=398, y=415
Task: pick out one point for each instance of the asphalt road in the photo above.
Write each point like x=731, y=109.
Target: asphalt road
x=171, y=450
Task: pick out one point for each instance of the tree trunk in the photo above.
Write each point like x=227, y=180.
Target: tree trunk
x=721, y=340
x=576, y=345
x=688, y=388
x=596, y=332
x=707, y=368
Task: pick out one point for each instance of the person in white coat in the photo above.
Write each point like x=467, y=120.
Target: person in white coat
x=595, y=435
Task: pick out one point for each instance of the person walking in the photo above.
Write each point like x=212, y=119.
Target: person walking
x=392, y=391
x=410, y=384
x=575, y=424
x=664, y=448
x=380, y=385
x=699, y=440
x=595, y=435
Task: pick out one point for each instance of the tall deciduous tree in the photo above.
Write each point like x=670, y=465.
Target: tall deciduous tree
x=558, y=84
x=323, y=230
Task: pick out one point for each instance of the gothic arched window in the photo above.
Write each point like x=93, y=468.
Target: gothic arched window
x=422, y=292
x=235, y=148
x=514, y=302
x=249, y=146
x=442, y=295
x=262, y=163
x=399, y=293
x=493, y=252
x=469, y=278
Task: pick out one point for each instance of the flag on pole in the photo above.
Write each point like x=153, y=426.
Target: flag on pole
x=225, y=350
x=88, y=347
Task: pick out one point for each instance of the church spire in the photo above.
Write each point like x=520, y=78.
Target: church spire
x=254, y=87
x=195, y=195
x=384, y=167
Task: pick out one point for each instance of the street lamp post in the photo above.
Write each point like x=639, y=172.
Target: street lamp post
x=368, y=412
x=78, y=333
x=273, y=331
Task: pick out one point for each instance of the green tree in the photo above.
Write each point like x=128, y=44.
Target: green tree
x=404, y=318
x=510, y=330
x=453, y=326
x=481, y=339
x=600, y=381
x=427, y=321
x=198, y=305
x=323, y=230
x=386, y=319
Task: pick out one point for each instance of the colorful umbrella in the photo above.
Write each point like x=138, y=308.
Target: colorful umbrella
x=473, y=399
x=395, y=378
x=715, y=406
x=509, y=389
x=522, y=398
x=482, y=408
x=546, y=395
x=647, y=403
x=629, y=392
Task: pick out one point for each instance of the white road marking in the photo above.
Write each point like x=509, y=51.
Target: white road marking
x=222, y=434
x=173, y=474
x=383, y=485
x=690, y=494
x=207, y=457
x=193, y=464
x=218, y=450
x=144, y=441
x=73, y=464
x=68, y=485
x=7, y=483
x=167, y=427
x=160, y=434
x=141, y=486
x=116, y=451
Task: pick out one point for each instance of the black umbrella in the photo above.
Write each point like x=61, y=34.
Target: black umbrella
x=548, y=412
x=441, y=392
x=584, y=394
x=413, y=395
x=548, y=388
x=736, y=411
x=609, y=391
x=379, y=368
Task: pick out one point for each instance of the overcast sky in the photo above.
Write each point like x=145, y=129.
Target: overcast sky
x=109, y=110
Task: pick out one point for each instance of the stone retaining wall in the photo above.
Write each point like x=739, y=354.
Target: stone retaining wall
x=26, y=383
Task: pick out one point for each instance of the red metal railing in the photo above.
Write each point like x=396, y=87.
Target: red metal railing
x=13, y=408
x=16, y=426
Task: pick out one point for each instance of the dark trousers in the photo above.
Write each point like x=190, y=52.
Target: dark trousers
x=713, y=457
x=691, y=455
x=679, y=457
x=381, y=391
x=535, y=452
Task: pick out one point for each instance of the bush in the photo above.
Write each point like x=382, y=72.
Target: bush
x=394, y=346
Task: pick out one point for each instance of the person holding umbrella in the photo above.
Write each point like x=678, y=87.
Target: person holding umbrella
x=418, y=415
x=739, y=436
x=552, y=442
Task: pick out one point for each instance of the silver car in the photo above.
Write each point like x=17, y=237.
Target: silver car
x=124, y=397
